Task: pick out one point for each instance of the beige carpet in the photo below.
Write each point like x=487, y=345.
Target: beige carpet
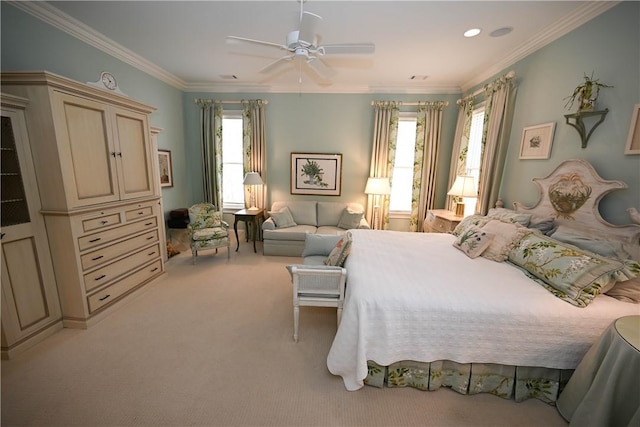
x=211, y=345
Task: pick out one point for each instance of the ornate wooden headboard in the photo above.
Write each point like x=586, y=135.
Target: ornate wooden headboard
x=571, y=194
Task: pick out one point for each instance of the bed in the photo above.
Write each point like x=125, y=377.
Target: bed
x=420, y=312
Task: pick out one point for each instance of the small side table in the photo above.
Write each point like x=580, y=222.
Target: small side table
x=604, y=388
x=441, y=221
x=254, y=217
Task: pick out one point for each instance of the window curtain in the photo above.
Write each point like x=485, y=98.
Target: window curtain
x=254, y=147
x=428, y=137
x=385, y=134
x=211, y=149
x=500, y=96
x=460, y=144
x=500, y=100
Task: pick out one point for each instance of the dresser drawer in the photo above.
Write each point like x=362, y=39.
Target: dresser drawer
x=101, y=221
x=93, y=240
x=104, y=255
x=111, y=293
x=112, y=271
x=138, y=213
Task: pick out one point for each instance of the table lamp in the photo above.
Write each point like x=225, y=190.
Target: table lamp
x=463, y=186
x=252, y=179
x=377, y=187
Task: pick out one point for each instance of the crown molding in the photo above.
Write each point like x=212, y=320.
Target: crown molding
x=60, y=20
x=563, y=26
x=338, y=89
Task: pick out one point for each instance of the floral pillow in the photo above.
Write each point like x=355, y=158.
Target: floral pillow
x=340, y=252
x=470, y=221
x=573, y=275
x=473, y=241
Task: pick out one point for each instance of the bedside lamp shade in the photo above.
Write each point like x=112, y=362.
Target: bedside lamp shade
x=252, y=178
x=463, y=186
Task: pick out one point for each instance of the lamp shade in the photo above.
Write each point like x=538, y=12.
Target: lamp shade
x=463, y=186
x=377, y=186
x=252, y=178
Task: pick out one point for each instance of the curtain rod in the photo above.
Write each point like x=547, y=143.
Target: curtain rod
x=421, y=103
x=214, y=101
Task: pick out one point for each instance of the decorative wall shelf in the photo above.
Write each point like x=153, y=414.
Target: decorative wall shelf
x=580, y=126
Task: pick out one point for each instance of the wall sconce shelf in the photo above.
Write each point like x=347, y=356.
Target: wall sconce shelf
x=580, y=126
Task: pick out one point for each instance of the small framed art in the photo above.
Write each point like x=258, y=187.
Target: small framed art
x=316, y=173
x=536, y=141
x=633, y=140
x=165, y=167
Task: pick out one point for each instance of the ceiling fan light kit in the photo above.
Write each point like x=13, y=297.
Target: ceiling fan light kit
x=303, y=44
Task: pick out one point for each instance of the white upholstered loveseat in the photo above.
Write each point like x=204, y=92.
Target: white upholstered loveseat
x=309, y=216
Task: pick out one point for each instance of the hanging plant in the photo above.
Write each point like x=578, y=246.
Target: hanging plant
x=586, y=94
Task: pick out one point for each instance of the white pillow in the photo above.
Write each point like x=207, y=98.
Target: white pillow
x=320, y=244
x=350, y=219
x=505, y=235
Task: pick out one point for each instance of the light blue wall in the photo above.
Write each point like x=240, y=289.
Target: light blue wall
x=609, y=46
x=318, y=123
x=29, y=44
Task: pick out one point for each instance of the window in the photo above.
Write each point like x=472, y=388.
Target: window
x=474, y=151
x=401, y=187
x=232, y=170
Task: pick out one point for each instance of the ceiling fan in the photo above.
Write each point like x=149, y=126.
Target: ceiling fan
x=304, y=49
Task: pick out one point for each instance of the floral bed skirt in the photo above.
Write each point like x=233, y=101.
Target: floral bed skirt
x=510, y=382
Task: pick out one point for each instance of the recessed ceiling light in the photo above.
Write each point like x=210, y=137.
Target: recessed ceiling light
x=472, y=32
x=501, y=32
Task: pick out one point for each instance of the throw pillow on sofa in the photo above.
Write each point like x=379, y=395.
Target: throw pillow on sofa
x=320, y=244
x=350, y=219
x=283, y=218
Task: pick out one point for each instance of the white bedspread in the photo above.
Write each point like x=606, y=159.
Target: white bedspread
x=413, y=296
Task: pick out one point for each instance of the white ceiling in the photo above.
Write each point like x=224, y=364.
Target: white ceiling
x=183, y=42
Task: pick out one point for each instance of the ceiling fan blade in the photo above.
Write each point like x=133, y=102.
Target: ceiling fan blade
x=307, y=30
x=321, y=67
x=235, y=39
x=346, y=48
x=315, y=75
x=275, y=64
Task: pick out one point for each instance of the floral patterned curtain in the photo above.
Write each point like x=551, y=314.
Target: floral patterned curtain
x=428, y=136
x=385, y=135
x=211, y=149
x=254, y=148
x=460, y=144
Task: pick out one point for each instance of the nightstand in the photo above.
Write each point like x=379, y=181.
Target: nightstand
x=441, y=221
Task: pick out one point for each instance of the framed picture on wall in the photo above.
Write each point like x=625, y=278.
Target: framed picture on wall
x=633, y=140
x=316, y=173
x=536, y=141
x=165, y=168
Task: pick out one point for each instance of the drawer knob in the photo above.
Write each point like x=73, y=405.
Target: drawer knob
x=104, y=297
x=104, y=222
x=155, y=269
x=100, y=277
x=95, y=240
x=97, y=258
x=149, y=223
x=151, y=253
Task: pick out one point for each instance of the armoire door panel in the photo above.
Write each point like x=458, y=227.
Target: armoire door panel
x=133, y=155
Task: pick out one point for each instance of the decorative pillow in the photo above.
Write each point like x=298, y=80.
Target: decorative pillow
x=473, y=241
x=573, y=275
x=606, y=248
x=340, y=252
x=544, y=225
x=472, y=220
x=627, y=291
x=320, y=244
x=509, y=215
x=350, y=219
x=506, y=234
x=283, y=218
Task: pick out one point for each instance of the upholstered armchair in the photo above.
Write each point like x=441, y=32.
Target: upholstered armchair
x=207, y=230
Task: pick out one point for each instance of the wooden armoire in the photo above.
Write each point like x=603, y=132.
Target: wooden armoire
x=100, y=198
